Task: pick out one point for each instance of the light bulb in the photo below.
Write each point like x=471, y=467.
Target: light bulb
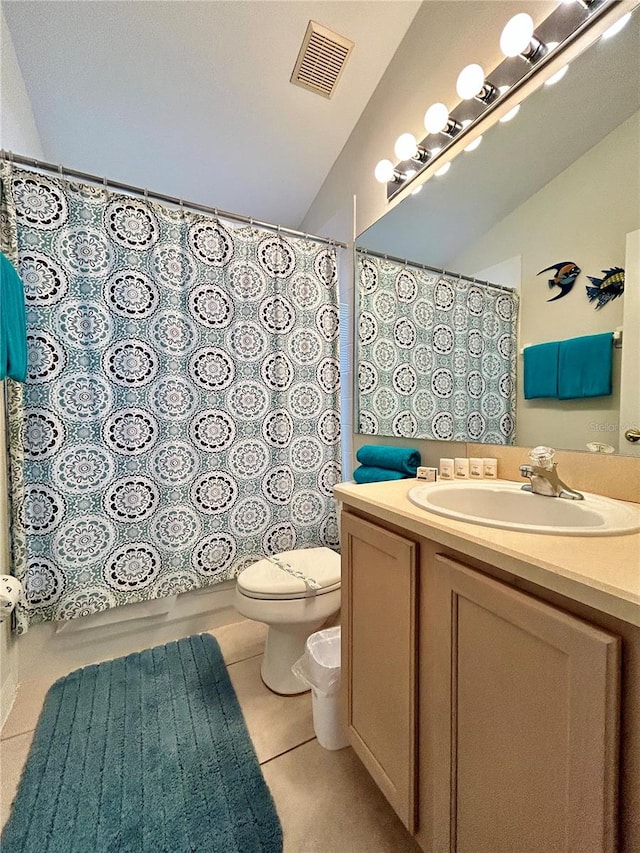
x=443, y=170
x=511, y=114
x=470, y=81
x=406, y=146
x=516, y=36
x=384, y=171
x=410, y=173
x=473, y=145
x=614, y=29
x=436, y=118
x=557, y=76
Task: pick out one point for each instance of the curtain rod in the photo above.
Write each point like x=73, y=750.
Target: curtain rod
x=407, y=262
x=61, y=171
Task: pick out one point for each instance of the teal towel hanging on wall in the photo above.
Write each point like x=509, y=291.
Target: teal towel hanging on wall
x=541, y=370
x=585, y=366
x=13, y=324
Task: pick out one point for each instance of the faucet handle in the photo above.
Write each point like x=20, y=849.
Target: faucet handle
x=542, y=457
x=526, y=470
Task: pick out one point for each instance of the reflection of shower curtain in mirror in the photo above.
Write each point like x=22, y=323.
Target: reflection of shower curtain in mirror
x=436, y=355
x=181, y=413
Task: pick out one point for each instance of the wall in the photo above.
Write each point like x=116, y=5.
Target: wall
x=18, y=133
x=582, y=215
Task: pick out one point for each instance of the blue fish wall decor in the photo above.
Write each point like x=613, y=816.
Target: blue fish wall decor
x=604, y=289
x=566, y=273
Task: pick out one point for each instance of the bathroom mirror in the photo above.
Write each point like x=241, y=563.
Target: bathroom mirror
x=558, y=183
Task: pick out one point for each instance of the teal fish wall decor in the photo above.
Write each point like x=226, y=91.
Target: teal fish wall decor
x=604, y=289
x=566, y=274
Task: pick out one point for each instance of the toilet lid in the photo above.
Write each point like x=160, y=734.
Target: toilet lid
x=265, y=579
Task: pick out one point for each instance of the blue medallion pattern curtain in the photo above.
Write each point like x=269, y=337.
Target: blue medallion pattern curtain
x=181, y=413
x=436, y=355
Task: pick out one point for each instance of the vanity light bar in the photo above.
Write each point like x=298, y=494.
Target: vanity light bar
x=532, y=52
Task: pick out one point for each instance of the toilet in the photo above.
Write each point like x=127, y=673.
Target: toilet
x=279, y=591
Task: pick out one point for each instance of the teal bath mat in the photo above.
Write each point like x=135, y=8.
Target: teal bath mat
x=148, y=752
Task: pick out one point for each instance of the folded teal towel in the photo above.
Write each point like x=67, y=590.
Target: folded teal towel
x=541, y=370
x=584, y=366
x=371, y=474
x=382, y=456
x=13, y=326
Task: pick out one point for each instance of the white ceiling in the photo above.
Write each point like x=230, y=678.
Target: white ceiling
x=193, y=99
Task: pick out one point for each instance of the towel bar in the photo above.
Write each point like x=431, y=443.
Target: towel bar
x=617, y=341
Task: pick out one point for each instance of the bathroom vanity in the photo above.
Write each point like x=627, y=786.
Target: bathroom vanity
x=491, y=677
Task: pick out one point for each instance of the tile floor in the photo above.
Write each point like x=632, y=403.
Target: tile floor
x=326, y=800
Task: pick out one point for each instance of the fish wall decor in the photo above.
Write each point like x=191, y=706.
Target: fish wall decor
x=604, y=289
x=566, y=273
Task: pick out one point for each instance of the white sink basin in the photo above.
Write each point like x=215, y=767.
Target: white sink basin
x=502, y=503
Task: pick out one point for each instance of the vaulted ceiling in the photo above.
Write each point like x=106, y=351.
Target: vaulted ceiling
x=193, y=99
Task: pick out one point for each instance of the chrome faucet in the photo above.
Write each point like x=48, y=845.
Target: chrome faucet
x=544, y=477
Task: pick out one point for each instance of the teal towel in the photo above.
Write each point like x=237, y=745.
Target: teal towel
x=584, y=366
x=382, y=456
x=541, y=370
x=371, y=474
x=13, y=324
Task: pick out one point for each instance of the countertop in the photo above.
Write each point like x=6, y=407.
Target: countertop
x=602, y=572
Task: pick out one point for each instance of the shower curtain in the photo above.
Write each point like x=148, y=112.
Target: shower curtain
x=436, y=354
x=180, y=417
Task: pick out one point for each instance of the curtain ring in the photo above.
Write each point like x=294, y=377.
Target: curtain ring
x=146, y=194
x=251, y=221
x=181, y=203
x=60, y=171
x=105, y=184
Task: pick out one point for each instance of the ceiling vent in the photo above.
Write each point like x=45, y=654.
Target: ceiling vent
x=321, y=60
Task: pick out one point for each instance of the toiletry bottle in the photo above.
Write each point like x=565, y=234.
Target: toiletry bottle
x=461, y=468
x=446, y=469
x=490, y=468
x=476, y=468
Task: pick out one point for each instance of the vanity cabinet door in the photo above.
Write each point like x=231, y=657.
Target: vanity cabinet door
x=523, y=721
x=379, y=656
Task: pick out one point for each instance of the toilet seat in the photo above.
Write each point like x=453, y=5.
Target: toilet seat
x=265, y=580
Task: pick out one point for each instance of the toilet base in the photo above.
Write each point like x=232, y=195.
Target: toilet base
x=285, y=644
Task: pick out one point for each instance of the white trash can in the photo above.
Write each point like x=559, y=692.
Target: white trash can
x=319, y=668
